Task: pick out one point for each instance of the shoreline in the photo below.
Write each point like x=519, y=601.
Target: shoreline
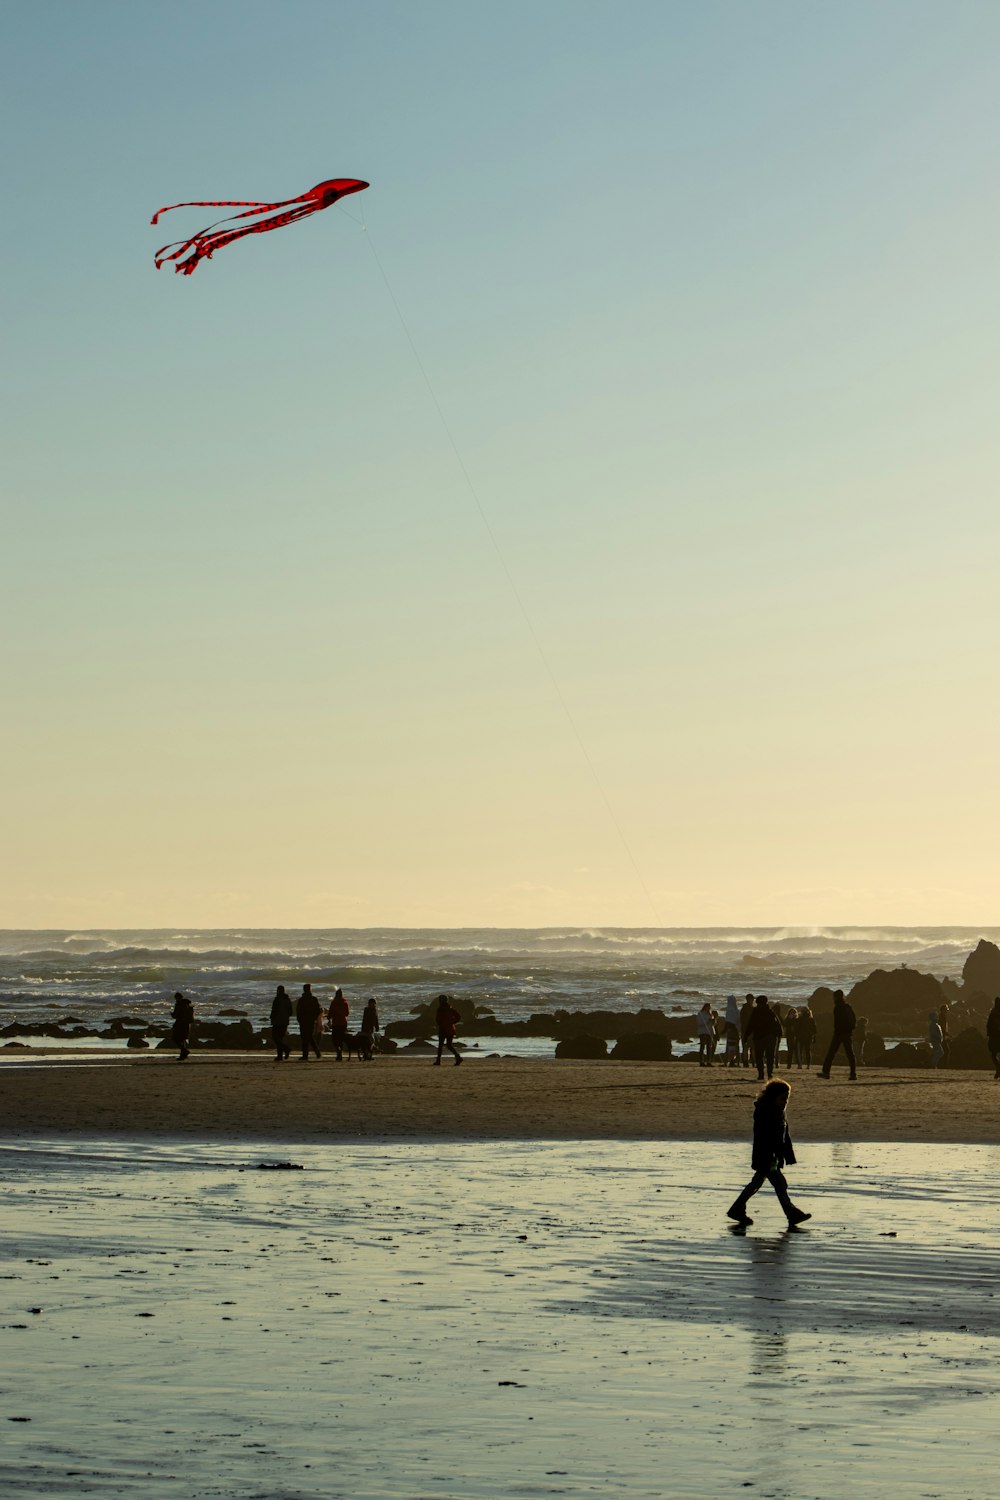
x=232, y=1097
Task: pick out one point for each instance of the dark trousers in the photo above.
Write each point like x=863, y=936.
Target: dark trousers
x=763, y=1056
x=840, y=1039
x=338, y=1036
x=308, y=1036
x=449, y=1042
x=279, y=1035
x=777, y=1180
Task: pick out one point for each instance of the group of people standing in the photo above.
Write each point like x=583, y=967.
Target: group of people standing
x=753, y=1033
x=313, y=1021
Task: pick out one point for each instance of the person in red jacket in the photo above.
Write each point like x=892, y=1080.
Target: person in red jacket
x=446, y=1019
x=336, y=1018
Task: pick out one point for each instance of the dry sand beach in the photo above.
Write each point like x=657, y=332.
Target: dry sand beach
x=213, y=1096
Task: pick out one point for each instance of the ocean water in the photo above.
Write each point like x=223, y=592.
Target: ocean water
x=464, y=1321
x=93, y=976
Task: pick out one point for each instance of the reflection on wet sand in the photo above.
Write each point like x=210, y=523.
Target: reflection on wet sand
x=493, y=1319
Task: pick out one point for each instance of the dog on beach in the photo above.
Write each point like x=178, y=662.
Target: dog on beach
x=360, y=1045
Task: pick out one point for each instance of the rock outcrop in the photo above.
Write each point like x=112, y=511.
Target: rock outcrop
x=643, y=1046
x=981, y=971
x=582, y=1046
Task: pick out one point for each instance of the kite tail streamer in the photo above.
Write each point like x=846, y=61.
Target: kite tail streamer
x=221, y=203
x=204, y=242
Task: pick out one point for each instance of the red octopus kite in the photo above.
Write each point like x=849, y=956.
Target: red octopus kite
x=204, y=242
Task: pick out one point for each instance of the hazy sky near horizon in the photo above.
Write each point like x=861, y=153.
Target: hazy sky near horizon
x=708, y=297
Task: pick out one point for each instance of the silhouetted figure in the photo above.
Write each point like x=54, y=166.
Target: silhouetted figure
x=936, y=1038
x=859, y=1039
x=746, y=1011
x=706, y=1035
x=806, y=1029
x=183, y=1018
x=772, y=1150
x=731, y=1057
x=944, y=1014
x=764, y=1033
x=370, y=1022
x=307, y=1008
x=844, y=1022
x=446, y=1018
x=281, y=1017
x=337, y=1021
x=993, y=1035
x=792, y=1035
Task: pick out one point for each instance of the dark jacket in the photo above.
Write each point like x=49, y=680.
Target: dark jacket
x=307, y=1008
x=763, y=1023
x=281, y=1011
x=844, y=1019
x=772, y=1145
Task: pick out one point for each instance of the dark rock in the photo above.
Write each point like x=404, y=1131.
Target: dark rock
x=16, y=1047
x=583, y=1046
x=235, y=1036
x=232, y=1012
x=137, y=1041
x=644, y=1046
x=892, y=995
x=874, y=1051
x=981, y=970
x=906, y=1055
x=969, y=1050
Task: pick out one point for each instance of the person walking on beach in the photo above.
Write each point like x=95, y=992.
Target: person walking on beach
x=936, y=1038
x=746, y=1011
x=993, y=1035
x=336, y=1018
x=183, y=1018
x=706, y=1035
x=859, y=1039
x=944, y=1012
x=772, y=1150
x=764, y=1033
x=281, y=1016
x=806, y=1035
x=791, y=1036
x=844, y=1022
x=307, y=1008
x=731, y=1056
x=370, y=1023
x=446, y=1019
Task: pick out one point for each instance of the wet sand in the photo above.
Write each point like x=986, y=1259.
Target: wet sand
x=215, y=1095
x=448, y=1321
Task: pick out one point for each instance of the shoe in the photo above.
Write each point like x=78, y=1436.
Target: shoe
x=458, y=1062
x=437, y=1062
x=185, y=1054
x=822, y=1075
x=852, y=1077
x=739, y=1214
x=798, y=1216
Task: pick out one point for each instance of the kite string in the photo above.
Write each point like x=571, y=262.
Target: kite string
x=522, y=607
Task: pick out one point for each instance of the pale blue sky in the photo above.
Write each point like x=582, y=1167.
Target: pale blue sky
x=708, y=295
